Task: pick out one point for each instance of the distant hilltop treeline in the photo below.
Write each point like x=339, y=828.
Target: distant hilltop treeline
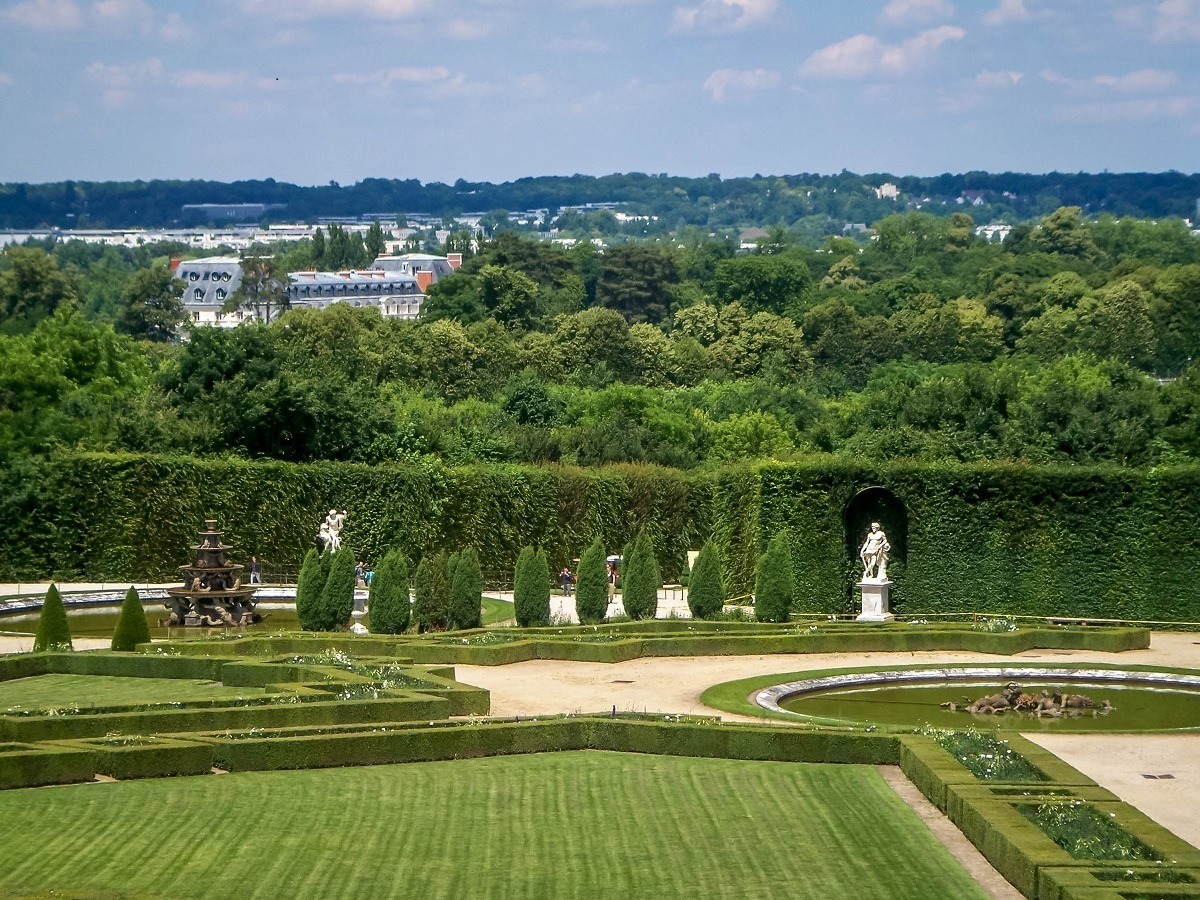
x=710, y=201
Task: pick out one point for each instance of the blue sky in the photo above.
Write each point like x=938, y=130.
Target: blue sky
x=317, y=90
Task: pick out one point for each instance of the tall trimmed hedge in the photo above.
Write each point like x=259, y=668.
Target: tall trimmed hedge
x=531, y=589
x=388, y=604
x=641, y=579
x=1104, y=542
x=591, y=588
x=774, y=587
x=132, y=628
x=466, y=591
x=706, y=590
x=53, y=632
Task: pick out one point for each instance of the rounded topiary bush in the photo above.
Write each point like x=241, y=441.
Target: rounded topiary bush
x=591, y=590
x=466, y=591
x=641, y=580
x=706, y=590
x=53, y=632
x=132, y=628
x=773, y=582
x=337, y=595
x=388, y=603
x=531, y=589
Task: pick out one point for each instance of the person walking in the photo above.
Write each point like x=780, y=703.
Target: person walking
x=255, y=574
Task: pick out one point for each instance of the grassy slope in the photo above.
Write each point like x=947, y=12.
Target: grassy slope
x=583, y=824
x=43, y=691
x=496, y=611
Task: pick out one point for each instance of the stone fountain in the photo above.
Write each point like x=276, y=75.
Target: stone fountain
x=212, y=592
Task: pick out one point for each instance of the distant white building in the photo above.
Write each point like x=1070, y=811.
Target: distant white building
x=995, y=232
x=397, y=295
x=427, y=269
x=208, y=284
x=887, y=191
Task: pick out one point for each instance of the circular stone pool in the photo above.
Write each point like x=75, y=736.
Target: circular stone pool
x=1142, y=701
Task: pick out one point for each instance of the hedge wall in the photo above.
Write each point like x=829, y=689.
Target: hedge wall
x=1101, y=542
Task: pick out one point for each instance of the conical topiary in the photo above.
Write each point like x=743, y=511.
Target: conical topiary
x=466, y=591
x=531, y=589
x=641, y=580
x=53, y=632
x=706, y=590
x=337, y=595
x=591, y=590
x=132, y=627
x=388, y=604
x=773, y=582
x=309, y=585
x=431, y=594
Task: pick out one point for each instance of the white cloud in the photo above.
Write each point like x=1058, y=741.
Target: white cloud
x=466, y=30
x=122, y=9
x=1140, y=110
x=1176, y=21
x=6, y=80
x=724, y=81
x=51, y=14
x=117, y=83
x=865, y=54
x=1142, y=81
x=1008, y=12
x=174, y=28
x=997, y=80
x=395, y=75
x=723, y=16
x=317, y=9
x=923, y=12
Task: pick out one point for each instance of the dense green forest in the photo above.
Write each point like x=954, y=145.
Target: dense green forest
x=806, y=201
x=1070, y=342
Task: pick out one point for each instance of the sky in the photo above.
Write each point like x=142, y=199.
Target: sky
x=312, y=91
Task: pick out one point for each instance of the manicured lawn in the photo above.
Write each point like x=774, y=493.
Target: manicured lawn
x=42, y=691
x=496, y=611
x=583, y=824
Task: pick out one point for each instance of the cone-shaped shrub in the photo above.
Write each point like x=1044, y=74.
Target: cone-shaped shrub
x=531, y=589
x=388, y=603
x=706, y=590
x=431, y=594
x=132, y=627
x=337, y=596
x=53, y=632
x=641, y=579
x=591, y=590
x=466, y=591
x=309, y=585
x=773, y=584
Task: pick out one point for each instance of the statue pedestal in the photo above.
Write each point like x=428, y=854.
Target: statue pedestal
x=875, y=601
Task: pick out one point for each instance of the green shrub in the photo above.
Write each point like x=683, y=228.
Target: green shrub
x=388, y=604
x=591, y=589
x=309, y=585
x=773, y=584
x=431, y=594
x=466, y=591
x=132, y=627
x=706, y=591
x=53, y=632
x=641, y=579
x=531, y=589
x=337, y=595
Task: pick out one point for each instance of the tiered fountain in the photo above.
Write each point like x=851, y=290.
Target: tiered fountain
x=212, y=592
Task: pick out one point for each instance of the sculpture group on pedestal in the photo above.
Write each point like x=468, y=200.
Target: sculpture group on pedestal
x=330, y=532
x=212, y=592
x=875, y=584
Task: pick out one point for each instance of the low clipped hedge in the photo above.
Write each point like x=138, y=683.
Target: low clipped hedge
x=32, y=765
x=1107, y=883
x=148, y=756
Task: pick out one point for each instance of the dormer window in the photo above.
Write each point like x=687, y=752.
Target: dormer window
x=220, y=293
x=198, y=294
x=193, y=276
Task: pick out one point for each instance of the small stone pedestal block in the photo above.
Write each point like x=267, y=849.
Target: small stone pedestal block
x=875, y=601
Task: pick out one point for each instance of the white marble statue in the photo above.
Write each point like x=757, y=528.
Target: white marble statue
x=330, y=533
x=874, y=554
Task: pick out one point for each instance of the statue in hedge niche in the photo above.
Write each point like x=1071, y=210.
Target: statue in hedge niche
x=330, y=532
x=874, y=554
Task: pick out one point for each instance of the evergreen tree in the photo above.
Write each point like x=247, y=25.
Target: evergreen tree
x=375, y=242
x=706, y=590
x=591, y=589
x=431, y=594
x=53, y=632
x=531, y=589
x=337, y=594
x=641, y=580
x=318, y=248
x=466, y=591
x=773, y=582
x=388, y=603
x=132, y=627
x=309, y=585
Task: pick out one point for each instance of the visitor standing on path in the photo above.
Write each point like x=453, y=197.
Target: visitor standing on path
x=255, y=576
